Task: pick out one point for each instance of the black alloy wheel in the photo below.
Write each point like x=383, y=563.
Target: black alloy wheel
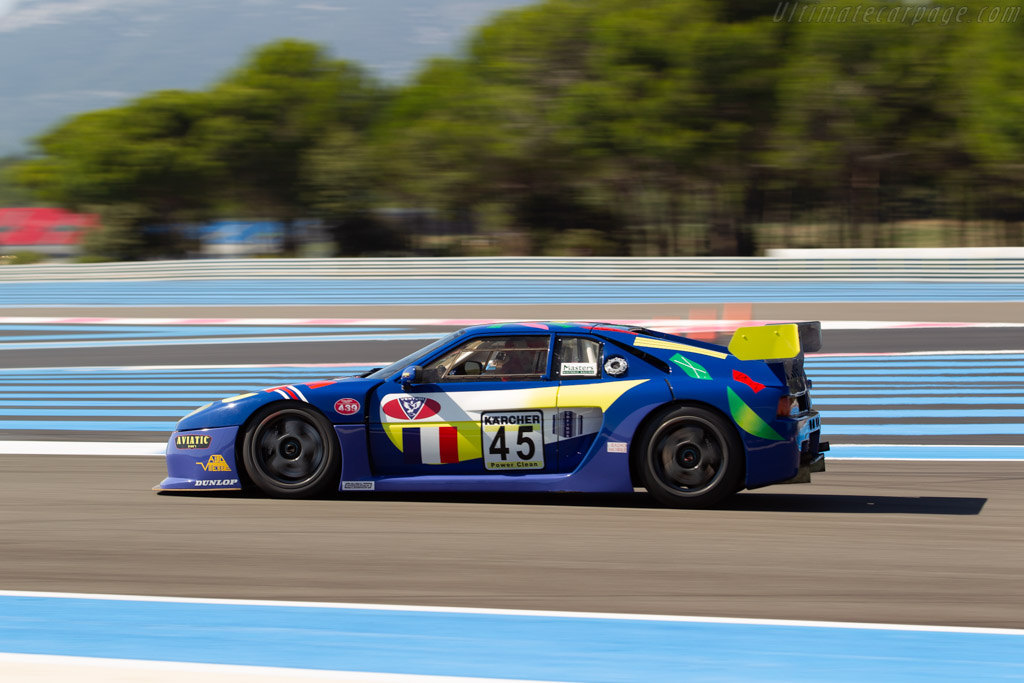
x=290, y=451
x=691, y=457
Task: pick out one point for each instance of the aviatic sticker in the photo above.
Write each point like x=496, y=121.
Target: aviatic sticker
x=513, y=441
x=190, y=441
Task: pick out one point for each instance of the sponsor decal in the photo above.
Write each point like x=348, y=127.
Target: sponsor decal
x=651, y=343
x=745, y=379
x=216, y=463
x=346, y=406
x=617, y=447
x=616, y=366
x=191, y=441
x=690, y=367
x=749, y=421
x=357, y=486
x=513, y=440
x=216, y=482
x=567, y=424
x=411, y=408
x=577, y=369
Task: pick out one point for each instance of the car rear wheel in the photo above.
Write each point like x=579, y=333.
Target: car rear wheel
x=291, y=452
x=691, y=458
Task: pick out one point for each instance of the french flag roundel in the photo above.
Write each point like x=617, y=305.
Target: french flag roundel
x=411, y=408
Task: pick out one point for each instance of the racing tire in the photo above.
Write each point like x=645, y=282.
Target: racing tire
x=291, y=451
x=691, y=457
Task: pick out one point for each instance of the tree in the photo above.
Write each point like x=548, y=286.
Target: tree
x=268, y=115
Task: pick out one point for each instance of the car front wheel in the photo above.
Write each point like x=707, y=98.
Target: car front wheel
x=291, y=452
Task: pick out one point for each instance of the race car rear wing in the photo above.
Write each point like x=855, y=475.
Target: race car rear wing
x=776, y=342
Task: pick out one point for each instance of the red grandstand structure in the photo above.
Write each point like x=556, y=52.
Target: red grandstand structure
x=54, y=232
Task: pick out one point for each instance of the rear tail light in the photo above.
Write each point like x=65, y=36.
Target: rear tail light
x=787, y=406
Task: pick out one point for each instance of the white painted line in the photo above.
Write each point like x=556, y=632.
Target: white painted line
x=611, y=616
x=655, y=323
x=915, y=353
x=81, y=448
x=247, y=366
x=59, y=668
x=965, y=461
x=921, y=445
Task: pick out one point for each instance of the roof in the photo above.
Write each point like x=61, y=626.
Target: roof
x=630, y=335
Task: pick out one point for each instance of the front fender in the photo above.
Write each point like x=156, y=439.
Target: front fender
x=228, y=412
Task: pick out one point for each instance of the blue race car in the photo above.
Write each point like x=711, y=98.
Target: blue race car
x=533, y=406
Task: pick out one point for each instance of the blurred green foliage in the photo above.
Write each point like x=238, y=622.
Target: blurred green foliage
x=24, y=258
x=585, y=126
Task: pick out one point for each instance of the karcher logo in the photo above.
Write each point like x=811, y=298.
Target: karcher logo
x=188, y=441
x=216, y=463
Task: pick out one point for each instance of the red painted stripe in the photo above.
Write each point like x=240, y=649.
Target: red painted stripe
x=740, y=377
x=284, y=389
x=317, y=385
x=449, y=441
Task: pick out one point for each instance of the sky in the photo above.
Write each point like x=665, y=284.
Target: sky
x=5, y=6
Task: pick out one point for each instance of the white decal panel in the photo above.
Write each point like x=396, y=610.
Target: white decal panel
x=513, y=440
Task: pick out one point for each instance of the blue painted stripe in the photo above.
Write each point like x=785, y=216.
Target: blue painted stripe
x=996, y=373
x=187, y=329
x=531, y=647
x=97, y=403
x=817, y=393
x=411, y=446
x=126, y=383
x=64, y=410
x=951, y=400
x=483, y=291
x=951, y=413
x=189, y=395
x=945, y=429
x=72, y=411
x=187, y=374
x=11, y=346
x=916, y=362
x=853, y=451
x=89, y=425
x=198, y=331
x=914, y=382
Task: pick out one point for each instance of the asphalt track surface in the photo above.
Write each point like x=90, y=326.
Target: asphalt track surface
x=925, y=542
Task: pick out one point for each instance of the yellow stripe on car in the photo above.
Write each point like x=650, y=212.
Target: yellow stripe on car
x=652, y=343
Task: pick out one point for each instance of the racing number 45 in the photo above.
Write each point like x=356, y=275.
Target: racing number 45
x=513, y=441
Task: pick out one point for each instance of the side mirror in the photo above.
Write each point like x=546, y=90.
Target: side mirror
x=412, y=375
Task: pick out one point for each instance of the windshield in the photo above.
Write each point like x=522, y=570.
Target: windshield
x=400, y=365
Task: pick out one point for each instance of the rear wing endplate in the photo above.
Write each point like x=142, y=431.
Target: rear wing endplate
x=776, y=342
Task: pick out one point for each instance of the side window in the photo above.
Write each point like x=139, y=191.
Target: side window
x=490, y=358
x=577, y=358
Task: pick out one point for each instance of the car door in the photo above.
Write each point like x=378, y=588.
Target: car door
x=481, y=408
x=578, y=419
